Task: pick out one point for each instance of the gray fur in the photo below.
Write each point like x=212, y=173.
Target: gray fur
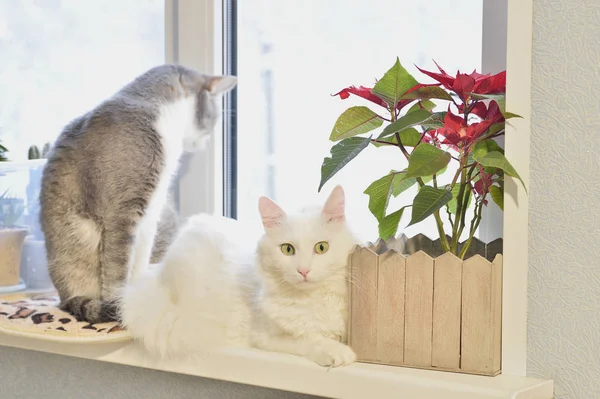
x=167, y=228
x=99, y=177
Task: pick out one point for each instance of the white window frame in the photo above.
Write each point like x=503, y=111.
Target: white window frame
x=194, y=38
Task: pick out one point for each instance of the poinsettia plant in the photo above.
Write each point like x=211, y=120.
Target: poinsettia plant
x=474, y=115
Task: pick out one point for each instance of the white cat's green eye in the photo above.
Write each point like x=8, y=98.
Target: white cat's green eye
x=287, y=249
x=321, y=247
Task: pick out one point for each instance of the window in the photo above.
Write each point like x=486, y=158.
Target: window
x=291, y=56
x=60, y=58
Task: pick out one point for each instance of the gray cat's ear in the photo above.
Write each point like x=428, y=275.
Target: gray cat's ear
x=335, y=206
x=271, y=214
x=221, y=84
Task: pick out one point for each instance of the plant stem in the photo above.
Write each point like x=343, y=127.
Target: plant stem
x=382, y=142
x=456, y=175
x=473, y=228
x=449, y=217
x=459, y=209
x=466, y=201
x=436, y=214
x=401, y=146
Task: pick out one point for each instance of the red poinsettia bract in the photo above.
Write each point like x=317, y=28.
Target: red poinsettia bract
x=482, y=185
x=366, y=93
x=457, y=132
x=361, y=91
x=465, y=84
x=491, y=111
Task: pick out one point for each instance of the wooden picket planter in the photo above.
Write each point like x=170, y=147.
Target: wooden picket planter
x=411, y=305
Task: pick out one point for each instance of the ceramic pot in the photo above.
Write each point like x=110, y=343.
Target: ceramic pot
x=11, y=244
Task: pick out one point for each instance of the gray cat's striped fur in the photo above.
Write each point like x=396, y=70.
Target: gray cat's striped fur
x=107, y=176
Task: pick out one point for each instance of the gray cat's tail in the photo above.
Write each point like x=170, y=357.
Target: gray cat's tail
x=91, y=310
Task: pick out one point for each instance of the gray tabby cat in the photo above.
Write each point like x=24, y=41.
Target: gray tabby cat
x=105, y=186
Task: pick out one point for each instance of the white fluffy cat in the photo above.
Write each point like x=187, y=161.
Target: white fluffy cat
x=214, y=288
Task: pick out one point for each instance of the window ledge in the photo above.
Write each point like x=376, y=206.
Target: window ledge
x=290, y=373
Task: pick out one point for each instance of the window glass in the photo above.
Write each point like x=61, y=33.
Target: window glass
x=292, y=55
x=60, y=58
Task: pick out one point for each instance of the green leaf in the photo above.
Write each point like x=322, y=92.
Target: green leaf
x=355, y=121
x=427, y=92
x=452, y=204
x=510, y=115
x=436, y=121
x=495, y=128
x=425, y=104
x=409, y=120
x=379, y=193
x=425, y=160
x=427, y=179
x=427, y=201
x=497, y=195
x=394, y=84
x=388, y=226
x=401, y=185
x=410, y=137
x=342, y=153
x=496, y=159
x=481, y=148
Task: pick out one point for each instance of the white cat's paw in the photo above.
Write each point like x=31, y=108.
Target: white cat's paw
x=332, y=354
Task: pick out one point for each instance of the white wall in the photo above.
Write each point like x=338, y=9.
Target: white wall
x=564, y=266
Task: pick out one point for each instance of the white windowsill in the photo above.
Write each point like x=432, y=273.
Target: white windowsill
x=290, y=373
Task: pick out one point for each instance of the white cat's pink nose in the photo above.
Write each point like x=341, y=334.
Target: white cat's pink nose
x=303, y=272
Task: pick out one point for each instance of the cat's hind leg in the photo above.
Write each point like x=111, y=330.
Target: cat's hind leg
x=72, y=244
x=117, y=243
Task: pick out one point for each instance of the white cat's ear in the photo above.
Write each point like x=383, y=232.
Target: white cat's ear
x=221, y=84
x=272, y=215
x=335, y=206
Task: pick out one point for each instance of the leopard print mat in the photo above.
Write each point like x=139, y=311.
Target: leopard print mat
x=38, y=316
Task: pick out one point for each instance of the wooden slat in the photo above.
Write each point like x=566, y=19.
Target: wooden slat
x=418, y=309
x=390, y=305
x=497, y=312
x=363, y=319
x=446, y=312
x=477, y=349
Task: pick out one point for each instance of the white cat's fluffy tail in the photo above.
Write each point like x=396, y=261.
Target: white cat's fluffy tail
x=149, y=314
x=191, y=301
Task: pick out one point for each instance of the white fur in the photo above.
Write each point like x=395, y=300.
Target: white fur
x=211, y=291
x=177, y=128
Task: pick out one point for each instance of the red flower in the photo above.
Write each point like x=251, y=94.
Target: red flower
x=365, y=92
x=361, y=91
x=465, y=84
x=458, y=133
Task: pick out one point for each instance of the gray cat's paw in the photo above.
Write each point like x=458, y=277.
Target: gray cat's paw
x=332, y=354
